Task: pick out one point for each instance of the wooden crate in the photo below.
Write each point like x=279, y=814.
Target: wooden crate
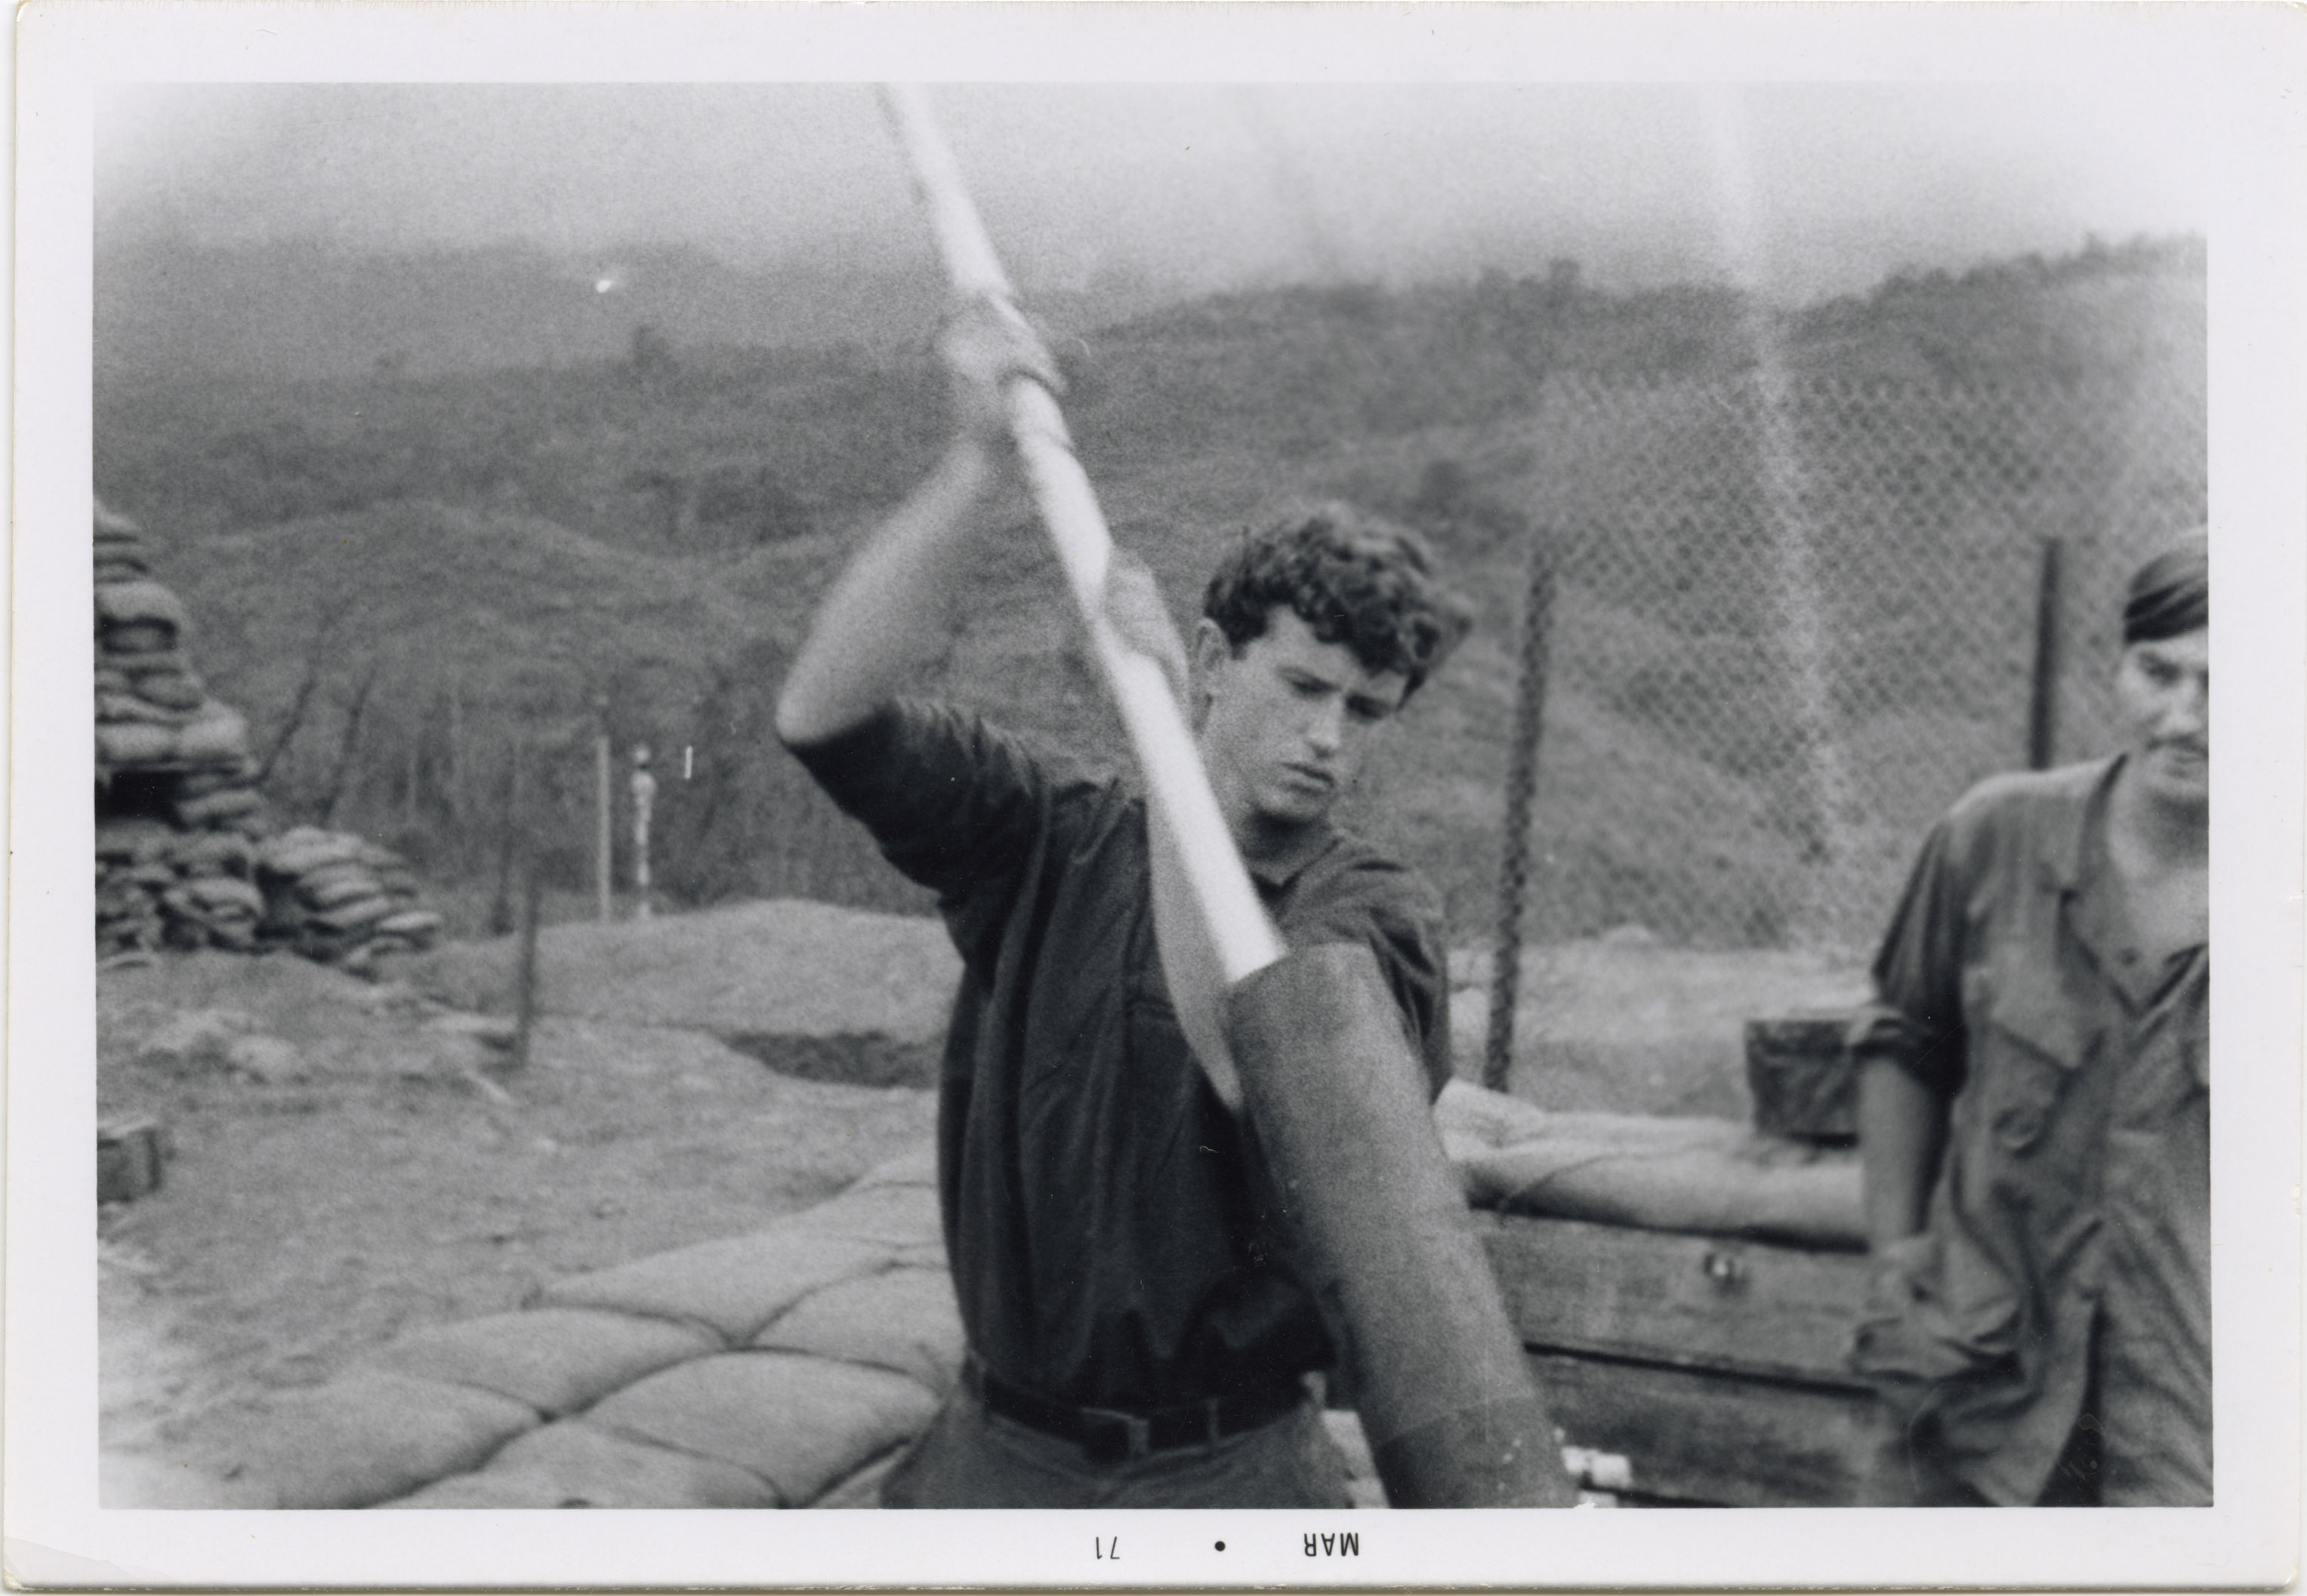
x=129, y=1156
x=1714, y=1366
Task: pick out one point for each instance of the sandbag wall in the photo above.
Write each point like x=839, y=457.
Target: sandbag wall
x=187, y=856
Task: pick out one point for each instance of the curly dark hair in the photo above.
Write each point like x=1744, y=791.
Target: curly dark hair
x=1351, y=579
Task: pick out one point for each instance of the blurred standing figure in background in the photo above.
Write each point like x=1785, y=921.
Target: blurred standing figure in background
x=2034, y=1112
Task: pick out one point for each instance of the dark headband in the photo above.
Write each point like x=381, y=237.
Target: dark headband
x=2171, y=593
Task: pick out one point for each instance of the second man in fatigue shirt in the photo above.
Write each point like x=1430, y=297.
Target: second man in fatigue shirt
x=2041, y=1013
x=1137, y=1335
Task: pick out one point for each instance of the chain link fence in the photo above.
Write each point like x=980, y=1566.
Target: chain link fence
x=1790, y=621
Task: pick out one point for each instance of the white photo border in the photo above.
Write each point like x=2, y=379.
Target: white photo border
x=2246, y=68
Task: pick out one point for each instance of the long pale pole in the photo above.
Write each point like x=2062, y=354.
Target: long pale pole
x=1360, y=1177
x=1213, y=930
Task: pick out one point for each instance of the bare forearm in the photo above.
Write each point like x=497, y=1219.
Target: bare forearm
x=891, y=614
x=1901, y=1128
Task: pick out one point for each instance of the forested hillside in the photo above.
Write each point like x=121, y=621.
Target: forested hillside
x=402, y=578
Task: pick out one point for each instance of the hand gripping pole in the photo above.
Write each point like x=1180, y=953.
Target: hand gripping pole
x=1212, y=930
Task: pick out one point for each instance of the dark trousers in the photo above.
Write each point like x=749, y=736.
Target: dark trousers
x=971, y=1458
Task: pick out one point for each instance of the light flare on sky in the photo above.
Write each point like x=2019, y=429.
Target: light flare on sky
x=1199, y=185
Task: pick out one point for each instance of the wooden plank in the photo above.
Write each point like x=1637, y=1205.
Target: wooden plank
x=1715, y=1302
x=1703, y=1437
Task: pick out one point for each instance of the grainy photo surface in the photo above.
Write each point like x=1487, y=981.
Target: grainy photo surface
x=1277, y=800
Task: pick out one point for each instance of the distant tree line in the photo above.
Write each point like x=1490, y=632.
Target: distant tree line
x=455, y=728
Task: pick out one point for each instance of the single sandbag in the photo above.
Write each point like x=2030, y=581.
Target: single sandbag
x=126, y=745
x=114, y=709
x=334, y=887
x=889, y=1216
x=201, y=783
x=212, y=808
x=186, y=908
x=409, y=922
x=901, y=1319
x=135, y=637
x=169, y=662
x=216, y=733
x=364, y=1439
x=802, y=1423
x=214, y=853
x=322, y=880
x=116, y=899
x=131, y=603
x=572, y=1464
x=170, y=689
x=556, y=1360
x=133, y=838
x=223, y=892
x=734, y=1286
x=303, y=852
x=358, y=913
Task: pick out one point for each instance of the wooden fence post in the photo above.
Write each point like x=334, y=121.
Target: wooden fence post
x=2043, y=701
x=603, y=841
x=532, y=907
x=508, y=842
x=1521, y=786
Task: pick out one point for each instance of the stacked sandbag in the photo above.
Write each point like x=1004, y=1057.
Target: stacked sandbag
x=159, y=886
x=186, y=857
x=340, y=899
x=175, y=799
x=152, y=714
x=119, y=548
x=132, y=872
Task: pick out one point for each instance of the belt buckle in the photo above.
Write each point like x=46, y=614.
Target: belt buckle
x=1136, y=1440
x=1140, y=1431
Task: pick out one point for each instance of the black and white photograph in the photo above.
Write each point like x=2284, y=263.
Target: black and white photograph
x=1179, y=773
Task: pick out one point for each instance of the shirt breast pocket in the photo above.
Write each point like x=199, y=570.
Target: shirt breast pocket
x=2027, y=1044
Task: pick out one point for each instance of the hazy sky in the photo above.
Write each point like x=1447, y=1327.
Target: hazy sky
x=1809, y=189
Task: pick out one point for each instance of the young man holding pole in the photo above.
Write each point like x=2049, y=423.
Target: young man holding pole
x=1139, y=1328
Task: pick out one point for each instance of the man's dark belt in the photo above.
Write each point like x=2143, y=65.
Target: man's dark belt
x=1110, y=1435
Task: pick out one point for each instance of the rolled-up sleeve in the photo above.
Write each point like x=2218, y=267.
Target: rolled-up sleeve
x=953, y=803
x=1915, y=1019
x=1394, y=915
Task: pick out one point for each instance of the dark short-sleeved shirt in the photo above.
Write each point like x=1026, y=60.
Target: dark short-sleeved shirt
x=1105, y=1216
x=2069, y=1231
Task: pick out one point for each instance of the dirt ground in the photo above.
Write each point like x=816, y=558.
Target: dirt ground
x=351, y=1161
x=354, y=1159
